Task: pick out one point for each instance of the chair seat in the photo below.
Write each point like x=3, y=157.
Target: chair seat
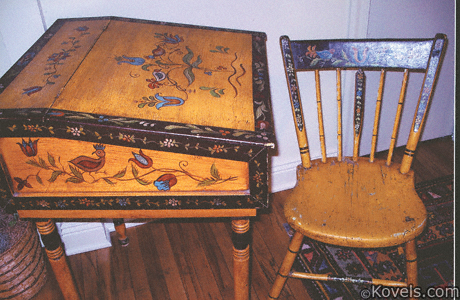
x=356, y=204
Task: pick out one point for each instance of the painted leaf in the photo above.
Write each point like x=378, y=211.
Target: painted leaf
x=43, y=163
x=108, y=181
x=206, y=182
x=39, y=180
x=215, y=172
x=214, y=94
x=134, y=170
x=189, y=75
x=314, y=62
x=74, y=180
x=143, y=182
x=337, y=62
x=51, y=160
x=197, y=62
x=146, y=67
x=54, y=176
x=33, y=163
x=76, y=173
x=188, y=57
x=120, y=174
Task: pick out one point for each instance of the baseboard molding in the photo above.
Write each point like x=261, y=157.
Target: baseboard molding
x=283, y=177
x=86, y=236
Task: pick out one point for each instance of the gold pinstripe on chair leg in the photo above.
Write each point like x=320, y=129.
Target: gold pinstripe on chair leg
x=286, y=266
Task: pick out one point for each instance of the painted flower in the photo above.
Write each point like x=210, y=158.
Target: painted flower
x=141, y=160
x=26, y=59
x=258, y=178
x=82, y=28
x=32, y=128
x=61, y=204
x=56, y=113
x=30, y=148
x=123, y=201
x=165, y=182
x=102, y=119
x=75, y=131
x=311, y=51
x=169, y=143
x=173, y=202
x=263, y=136
x=22, y=183
x=218, y=202
x=32, y=90
x=217, y=149
x=43, y=203
x=55, y=57
x=85, y=201
x=127, y=138
x=154, y=84
x=263, y=124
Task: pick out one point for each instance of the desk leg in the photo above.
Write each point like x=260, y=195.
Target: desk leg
x=57, y=259
x=241, y=241
x=120, y=228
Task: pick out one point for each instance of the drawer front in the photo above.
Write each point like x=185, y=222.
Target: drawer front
x=48, y=167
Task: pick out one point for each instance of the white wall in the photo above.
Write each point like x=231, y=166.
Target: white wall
x=23, y=21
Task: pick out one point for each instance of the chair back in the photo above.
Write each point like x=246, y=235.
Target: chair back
x=382, y=56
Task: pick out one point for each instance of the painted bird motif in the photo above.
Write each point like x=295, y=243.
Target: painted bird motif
x=141, y=160
x=90, y=164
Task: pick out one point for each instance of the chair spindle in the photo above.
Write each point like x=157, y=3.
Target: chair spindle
x=320, y=116
x=402, y=95
x=339, y=114
x=358, y=111
x=378, y=107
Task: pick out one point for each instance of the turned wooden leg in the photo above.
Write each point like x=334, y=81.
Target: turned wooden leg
x=286, y=266
x=411, y=263
x=120, y=227
x=57, y=259
x=241, y=241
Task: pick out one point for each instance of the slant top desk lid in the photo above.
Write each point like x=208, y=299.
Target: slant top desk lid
x=144, y=75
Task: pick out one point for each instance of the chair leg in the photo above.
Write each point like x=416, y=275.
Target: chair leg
x=286, y=266
x=411, y=263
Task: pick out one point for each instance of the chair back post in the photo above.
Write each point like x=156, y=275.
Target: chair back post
x=296, y=104
x=434, y=64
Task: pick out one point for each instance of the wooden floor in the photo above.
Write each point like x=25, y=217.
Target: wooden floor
x=192, y=259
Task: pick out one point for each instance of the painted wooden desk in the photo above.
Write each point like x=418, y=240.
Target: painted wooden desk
x=121, y=118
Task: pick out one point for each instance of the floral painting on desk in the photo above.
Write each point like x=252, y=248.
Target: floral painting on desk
x=41, y=166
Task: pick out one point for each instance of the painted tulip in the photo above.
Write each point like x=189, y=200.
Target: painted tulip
x=165, y=182
x=30, y=148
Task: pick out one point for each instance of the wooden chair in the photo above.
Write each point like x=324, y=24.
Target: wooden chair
x=362, y=202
